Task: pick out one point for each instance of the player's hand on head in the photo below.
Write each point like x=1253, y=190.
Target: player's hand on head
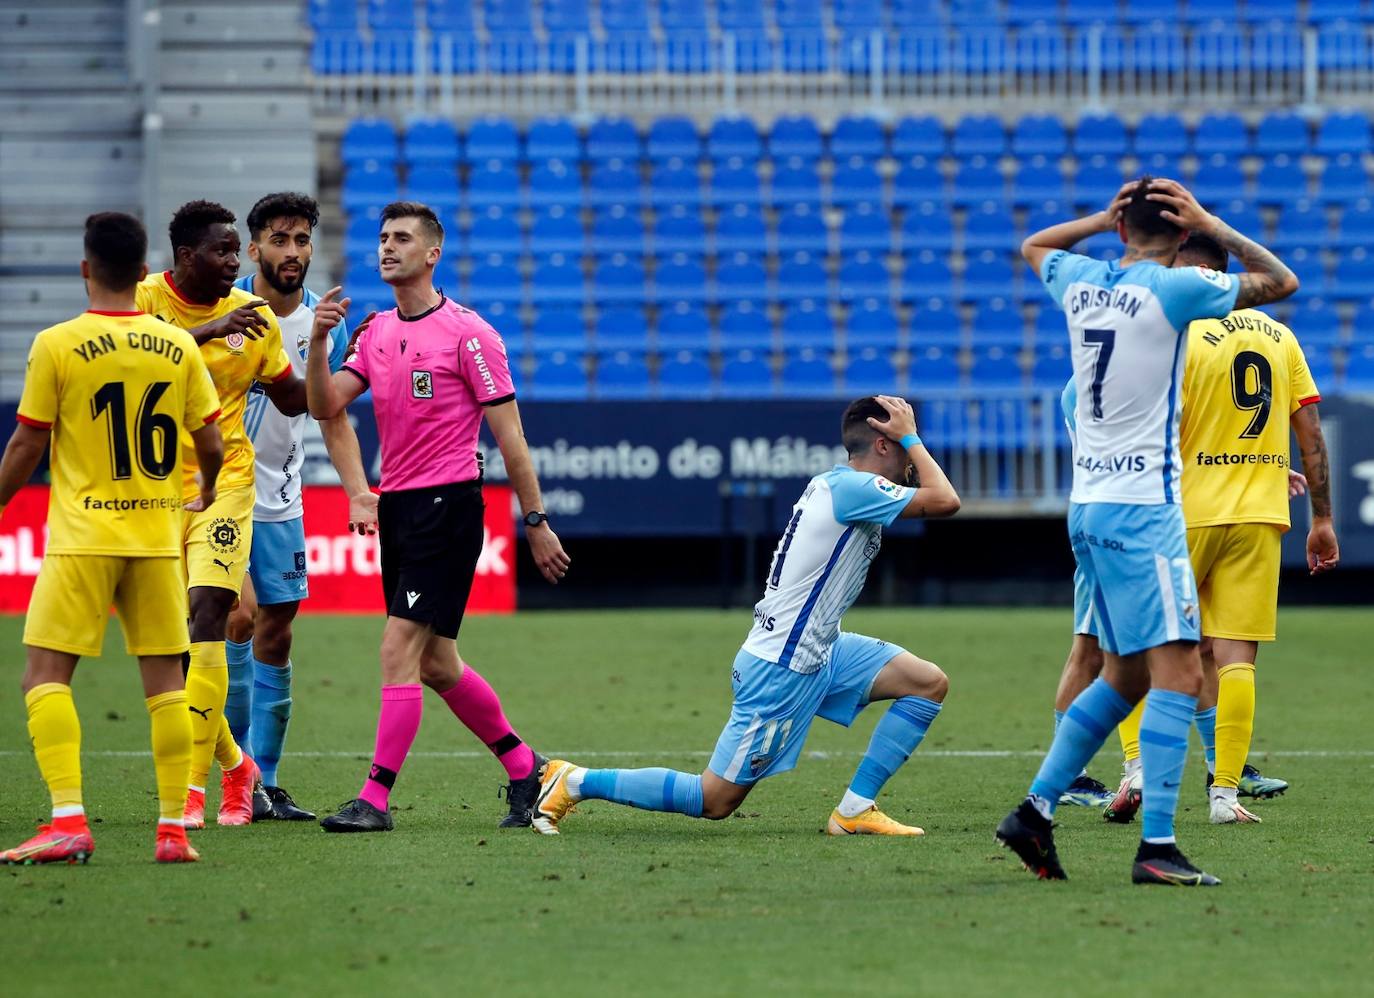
x=548, y=553
x=362, y=512
x=1297, y=484
x=901, y=418
x=357, y=332
x=1182, y=208
x=1112, y=214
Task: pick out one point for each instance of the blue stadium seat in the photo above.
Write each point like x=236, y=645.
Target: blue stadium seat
x=431, y=142
x=493, y=184
x=554, y=182
x=612, y=138
x=1259, y=11
x=917, y=180
x=979, y=135
x=1311, y=273
x=494, y=278
x=360, y=237
x=392, y=53
x=802, y=229
x=559, y=330
x=800, y=276
x=553, y=138
x=735, y=182
x=1160, y=165
x=921, y=135
x=1210, y=11
x=1037, y=182
x=866, y=228
x=505, y=319
x=618, y=230
x=449, y=16
x=1026, y=12
x=456, y=54
x=934, y=367
x=807, y=375
x=936, y=323
x=1039, y=135
x=494, y=231
x=1345, y=132
x=872, y=323
x=557, y=280
x=1104, y=246
x=683, y=326
x=806, y=325
x=864, y=276
x=1100, y=135
x=673, y=182
x=916, y=13
x=1354, y=276
x=855, y=180
x=798, y=13
x=1162, y=134
x=679, y=229
x=690, y=51
x=1244, y=217
x=871, y=371
x=1097, y=183
x=1223, y=133
x=995, y=367
x=996, y=323
x=739, y=14
x=745, y=325
x=1343, y=180
x=740, y=229
x=1045, y=215
x=685, y=375
x=988, y=275
x=1052, y=368
x=858, y=15
x=795, y=182
x=1146, y=11
x=1356, y=223
x=1049, y=326
x=369, y=139
x=623, y=375
x=1321, y=364
x=987, y=226
x=926, y=276
x=741, y=277
x=559, y=376
x=1219, y=179
x=1316, y=322
x=805, y=51
x=557, y=230
x=340, y=51
x=1281, y=133
x=1342, y=49
x=734, y=136
x=977, y=180
x=858, y=135
x=565, y=16
x=1326, y=11
x=1280, y=181
x=680, y=279
x=755, y=52
x=391, y=15
x=368, y=185
x=927, y=226
x=1359, y=370
x=745, y=375
x=325, y=14
x=509, y=15
x=795, y=135
x=1040, y=50
x=624, y=16
x=673, y=137
x=492, y=138
x=617, y=182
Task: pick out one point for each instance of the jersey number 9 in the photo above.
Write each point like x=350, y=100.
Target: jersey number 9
x=1259, y=401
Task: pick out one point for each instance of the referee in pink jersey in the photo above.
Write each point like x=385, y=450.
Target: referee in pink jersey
x=435, y=370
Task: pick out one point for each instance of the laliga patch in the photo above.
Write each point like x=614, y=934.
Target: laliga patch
x=891, y=489
x=1216, y=277
x=421, y=385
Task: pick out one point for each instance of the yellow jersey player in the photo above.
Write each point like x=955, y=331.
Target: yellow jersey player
x=1244, y=373
x=112, y=389
x=241, y=343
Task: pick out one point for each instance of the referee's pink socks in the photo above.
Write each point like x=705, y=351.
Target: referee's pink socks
x=397, y=726
x=476, y=704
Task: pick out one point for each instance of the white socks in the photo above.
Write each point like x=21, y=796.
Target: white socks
x=853, y=805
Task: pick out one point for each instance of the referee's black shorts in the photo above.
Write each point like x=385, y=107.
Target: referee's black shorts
x=431, y=539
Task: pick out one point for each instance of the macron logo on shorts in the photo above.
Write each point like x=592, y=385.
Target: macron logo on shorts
x=411, y=598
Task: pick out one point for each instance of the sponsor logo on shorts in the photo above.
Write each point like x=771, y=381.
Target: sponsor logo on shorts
x=224, y=535
x=1107, y=543
x=411, y=597
x=299, y=559
x=421, y=384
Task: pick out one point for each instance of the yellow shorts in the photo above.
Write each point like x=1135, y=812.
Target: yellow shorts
x=217, y=541
x=73, y=593
x=1237, y=570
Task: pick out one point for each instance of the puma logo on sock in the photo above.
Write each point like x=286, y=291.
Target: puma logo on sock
x=203, y=713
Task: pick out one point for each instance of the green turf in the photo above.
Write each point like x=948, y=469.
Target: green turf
x=763, y=902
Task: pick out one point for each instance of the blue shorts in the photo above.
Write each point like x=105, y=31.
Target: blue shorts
x=276, y=563
x=774, y=706
x=1137, y=572
x=1082, y=604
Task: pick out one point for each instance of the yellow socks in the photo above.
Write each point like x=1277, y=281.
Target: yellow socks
x=1129, y=732
x=171, y=727
x=1235, y=721
x=56, y=735
x=227, y=752
x=207, y=685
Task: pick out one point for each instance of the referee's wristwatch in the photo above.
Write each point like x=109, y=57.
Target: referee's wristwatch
x=535, y=517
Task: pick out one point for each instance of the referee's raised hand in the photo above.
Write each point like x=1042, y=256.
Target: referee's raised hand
x=548, y=552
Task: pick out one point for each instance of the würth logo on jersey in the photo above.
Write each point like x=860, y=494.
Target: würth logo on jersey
x=474, y=346
x=421, y=385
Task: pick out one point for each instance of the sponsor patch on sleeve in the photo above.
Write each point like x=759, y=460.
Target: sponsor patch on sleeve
x=1216, y=277
x=887, y=488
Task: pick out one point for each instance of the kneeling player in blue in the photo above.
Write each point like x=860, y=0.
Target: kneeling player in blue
x=796, y=664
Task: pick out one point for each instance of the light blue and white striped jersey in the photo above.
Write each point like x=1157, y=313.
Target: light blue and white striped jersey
x=279, y=441
x=820, y=565
x=1127, y=335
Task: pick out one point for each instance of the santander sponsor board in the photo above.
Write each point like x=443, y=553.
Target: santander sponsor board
x=345, y=568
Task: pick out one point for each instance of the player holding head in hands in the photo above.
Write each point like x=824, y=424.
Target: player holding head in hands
x=258, y=707
x=113, y=390
x=796, y=664
x=1127, y=324
x=436, y=369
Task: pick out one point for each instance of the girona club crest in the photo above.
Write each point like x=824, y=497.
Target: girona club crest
x=235, y=341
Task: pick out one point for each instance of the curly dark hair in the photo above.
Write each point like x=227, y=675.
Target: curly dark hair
x=283, y=204
x=855, y=432
x=193, y=220
x=1146, y=217
x=116, y=246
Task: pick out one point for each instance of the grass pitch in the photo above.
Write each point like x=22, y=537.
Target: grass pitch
x=625, y=901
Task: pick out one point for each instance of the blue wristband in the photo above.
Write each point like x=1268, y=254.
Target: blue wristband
x=909, y=441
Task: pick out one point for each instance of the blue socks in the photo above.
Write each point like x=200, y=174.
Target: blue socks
x=1058, y=720
x=1163, y=750
x=271, y=715
x=1086, y=725
x=238, y=705
x=894, y=739
x=1206, y=721
x=648, y=789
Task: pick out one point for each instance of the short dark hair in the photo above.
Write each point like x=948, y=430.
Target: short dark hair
x=1143, y=216
x=193, y=220
x=116, y=248
x=414, y=209
x=1205, y=250
x=857, y=435
x=283, y=204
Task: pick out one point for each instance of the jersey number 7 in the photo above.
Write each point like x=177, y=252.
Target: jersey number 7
x=1105, y=342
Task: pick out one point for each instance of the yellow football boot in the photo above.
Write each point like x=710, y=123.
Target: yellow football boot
x=869, y=822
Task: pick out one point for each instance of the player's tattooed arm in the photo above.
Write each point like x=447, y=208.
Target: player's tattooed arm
x=1323, y=551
